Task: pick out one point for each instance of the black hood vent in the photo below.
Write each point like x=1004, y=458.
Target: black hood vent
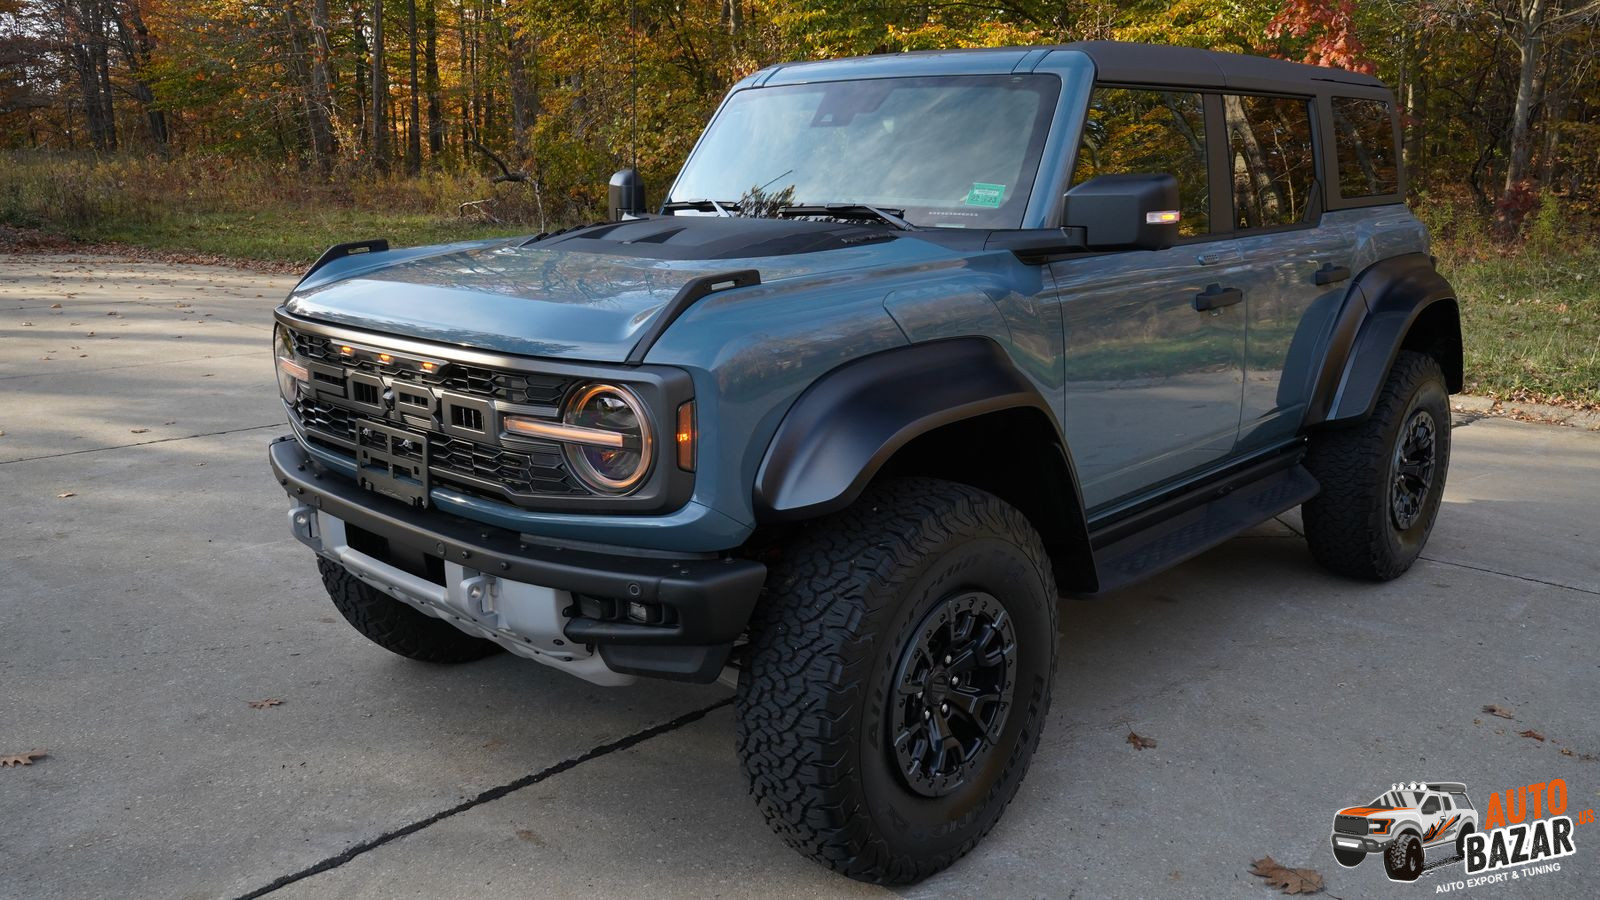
x=712, y=237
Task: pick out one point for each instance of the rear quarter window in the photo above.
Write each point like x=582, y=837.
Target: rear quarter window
x=1363, y=133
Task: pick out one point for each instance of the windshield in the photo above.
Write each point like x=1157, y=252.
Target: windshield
x=952, y=151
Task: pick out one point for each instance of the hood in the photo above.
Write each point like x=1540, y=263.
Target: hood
x=1371, y=810
x=588, y=294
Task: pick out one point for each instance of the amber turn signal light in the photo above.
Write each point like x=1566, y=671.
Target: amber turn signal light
x=686, y=436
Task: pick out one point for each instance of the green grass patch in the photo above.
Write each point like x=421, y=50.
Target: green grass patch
x=247, y=211
x=285, y=234
x=1531, y=324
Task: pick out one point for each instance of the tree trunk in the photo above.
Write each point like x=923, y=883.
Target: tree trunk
x=137, y=47
x=414, y=131
x=1531, y=47
x=430, y=55
x=524, y=95
x=378, y=124
x=322, y=143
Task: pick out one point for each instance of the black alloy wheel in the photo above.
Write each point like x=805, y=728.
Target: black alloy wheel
x=954, y=682
x=1412, y=468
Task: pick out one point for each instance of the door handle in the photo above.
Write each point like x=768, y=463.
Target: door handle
x=1330, y=274
x=1213, y=257
x=1215, y=296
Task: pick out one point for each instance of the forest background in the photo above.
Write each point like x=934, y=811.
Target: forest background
x=267, y=129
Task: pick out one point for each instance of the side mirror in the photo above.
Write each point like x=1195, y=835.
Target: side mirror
x=625, y=195
x=1124, y=212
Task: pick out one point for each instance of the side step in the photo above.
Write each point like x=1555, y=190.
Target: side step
x=1194, y=531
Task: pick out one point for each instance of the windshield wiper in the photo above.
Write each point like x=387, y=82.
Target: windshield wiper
x=702, y=205
x=849, y=211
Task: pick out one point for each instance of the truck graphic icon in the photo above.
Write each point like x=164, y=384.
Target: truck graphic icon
x=1409, y=824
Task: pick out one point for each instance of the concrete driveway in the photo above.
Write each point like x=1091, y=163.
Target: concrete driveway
x=149, y=590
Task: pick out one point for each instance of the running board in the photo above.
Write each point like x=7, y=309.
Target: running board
x=1194, y=531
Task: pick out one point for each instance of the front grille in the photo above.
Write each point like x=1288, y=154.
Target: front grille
x=540, y=471
x=482, y=468
x=325, y=418
x=1350, y=825
x=478, y=381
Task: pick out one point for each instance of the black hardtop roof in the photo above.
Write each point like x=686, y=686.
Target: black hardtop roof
x=1158, y=64
x=1140, y=63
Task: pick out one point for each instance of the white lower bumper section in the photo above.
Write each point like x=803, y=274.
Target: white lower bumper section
x=526, y=619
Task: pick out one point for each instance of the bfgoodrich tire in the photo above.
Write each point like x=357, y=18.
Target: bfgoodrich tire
x=900, y=671
x=1382, y=480
x=395, y=626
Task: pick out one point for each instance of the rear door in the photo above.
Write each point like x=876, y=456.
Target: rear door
x=1296, y=266
x=1153, y=375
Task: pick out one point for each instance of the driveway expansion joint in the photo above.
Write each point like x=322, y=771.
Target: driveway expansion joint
x=168, y=440
x=489, y=795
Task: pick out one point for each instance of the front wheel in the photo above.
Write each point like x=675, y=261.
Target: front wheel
x=900, y=671
x=1403, y=860
x=1382, y=479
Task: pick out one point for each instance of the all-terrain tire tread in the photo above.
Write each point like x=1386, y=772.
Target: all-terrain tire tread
x=810, y=656
x=395, y=626
x=1346, y=525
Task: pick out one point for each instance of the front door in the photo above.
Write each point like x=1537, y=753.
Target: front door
x=1154, y=340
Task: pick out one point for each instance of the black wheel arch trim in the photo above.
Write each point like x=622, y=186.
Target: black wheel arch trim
x=1382, y=305
x=850, y=421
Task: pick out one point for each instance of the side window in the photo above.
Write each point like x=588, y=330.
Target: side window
x=1461, y=801
x=1270, y=156
x=1364, y=145
x=1149, y=131
x=1430, y=807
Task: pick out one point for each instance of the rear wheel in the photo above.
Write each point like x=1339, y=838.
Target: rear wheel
x=1461, y=841
x=900, y=671
x=1382, y=480
x=395, y=626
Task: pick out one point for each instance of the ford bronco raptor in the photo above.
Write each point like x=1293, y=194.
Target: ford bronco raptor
x=1404, y=824
x=912, y=345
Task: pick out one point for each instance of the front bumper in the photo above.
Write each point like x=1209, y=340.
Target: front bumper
x=1362, y=843
x=528, y=595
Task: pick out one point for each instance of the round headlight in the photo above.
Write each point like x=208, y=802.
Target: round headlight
x=288, y=370
x=610, y=469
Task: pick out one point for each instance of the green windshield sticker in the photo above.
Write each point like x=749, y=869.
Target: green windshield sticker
x=988, y=195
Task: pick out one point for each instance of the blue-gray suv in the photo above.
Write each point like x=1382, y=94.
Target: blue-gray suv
x=913, y=345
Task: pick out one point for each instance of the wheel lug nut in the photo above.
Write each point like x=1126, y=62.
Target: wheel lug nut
x=947, y=660
x=955, y=680
x=927, y=714
x=944, y=707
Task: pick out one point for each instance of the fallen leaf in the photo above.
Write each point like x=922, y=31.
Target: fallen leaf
x=263, y=704
x=27, y=324
x=65, y=494
x=55, y=306
x=1494, y=709
x=1290, y=881
x=1567, y=751
x=138, y=430
x=1140, y=742
x=1530, y=733
x=172, y=422
x=21, y=759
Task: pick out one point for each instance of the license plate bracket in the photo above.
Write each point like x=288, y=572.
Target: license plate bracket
x=392, y=461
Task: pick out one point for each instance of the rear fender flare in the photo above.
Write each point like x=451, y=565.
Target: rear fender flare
x=1382, y=307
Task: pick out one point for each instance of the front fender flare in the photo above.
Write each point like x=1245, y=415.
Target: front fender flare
x=849, y=422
